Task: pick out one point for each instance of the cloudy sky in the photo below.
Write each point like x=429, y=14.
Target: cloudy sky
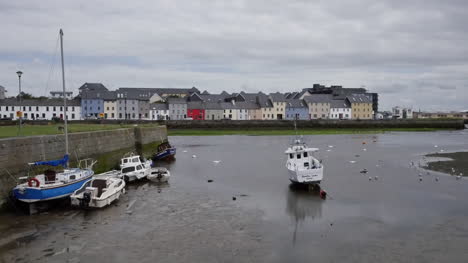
x=414, y=53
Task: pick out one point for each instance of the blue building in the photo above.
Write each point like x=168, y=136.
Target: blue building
x=92, y=100
x=296, y=109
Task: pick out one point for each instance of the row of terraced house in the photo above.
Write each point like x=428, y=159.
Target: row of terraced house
x=320, y=102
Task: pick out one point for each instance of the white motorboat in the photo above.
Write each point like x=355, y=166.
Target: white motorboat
x=132, y=168
x=159, y=175
x=98, y=192
x=303, y=167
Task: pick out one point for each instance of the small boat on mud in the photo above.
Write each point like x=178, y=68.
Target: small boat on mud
x=98, y=192
x=164, y=152
x=302, y=166
x=159, y=175
x=133, y=168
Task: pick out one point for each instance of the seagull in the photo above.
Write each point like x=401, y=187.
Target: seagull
x=330, y=146
x=437, y=179
x=370, y=178
x=194, y=156
x=453, y=170
x=420, y=174
x=352, y=161
x=435, y=146
x=328, y=150
x=216, y=161
x=184, y=151
x=376, y=177
x=364, y=149
x=420, y=179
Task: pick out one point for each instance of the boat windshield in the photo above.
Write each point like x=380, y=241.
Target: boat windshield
x=128, y=169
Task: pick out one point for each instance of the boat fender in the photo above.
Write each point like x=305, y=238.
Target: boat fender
x=323, y=194
x=31, y=180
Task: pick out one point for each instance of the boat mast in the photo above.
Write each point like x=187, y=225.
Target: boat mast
x=64, y=95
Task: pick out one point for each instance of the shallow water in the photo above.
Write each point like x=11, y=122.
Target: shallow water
x=394, y=218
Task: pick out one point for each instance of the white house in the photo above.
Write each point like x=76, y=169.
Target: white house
x=340, y=110
x=159, y=111
x=402, y=113
x=39, y=109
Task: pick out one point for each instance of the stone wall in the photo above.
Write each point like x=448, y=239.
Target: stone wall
x=105, y=146
x=316, y=124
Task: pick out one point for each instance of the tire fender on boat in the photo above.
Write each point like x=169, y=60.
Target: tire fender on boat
x=31, y=180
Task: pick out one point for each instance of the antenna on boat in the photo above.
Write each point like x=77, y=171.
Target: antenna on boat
x=64, y=96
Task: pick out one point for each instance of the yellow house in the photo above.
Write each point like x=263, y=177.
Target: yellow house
x=278, y=101
x=110, y=105
x=361, y=106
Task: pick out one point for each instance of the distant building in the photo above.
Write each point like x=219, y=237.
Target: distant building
x=440, y=115
x=340, y=110
x=2, y=93
x=296, y=110
x=279, y=105
x=196, y=110
x=59, y=94
x=402, y=113
x=361, y=106
x=319, y=105
x=177, y=108
x=159, y=111
x=39, y=109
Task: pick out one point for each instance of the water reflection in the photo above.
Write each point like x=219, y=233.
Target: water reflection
x=303, y=203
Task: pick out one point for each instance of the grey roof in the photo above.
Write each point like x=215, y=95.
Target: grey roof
x=205, y=93
x=339, y=104
x=93, y=86
x=39, y=102
x=244, y=105
x=99, y=94
x=195, y=105
x=264, y=101
x=172, y=100
x=147, y=93
x=158, y=106
x=318, y=98
x=296, y=104
x=277, y=97
x=359, y=98
x=213, y=106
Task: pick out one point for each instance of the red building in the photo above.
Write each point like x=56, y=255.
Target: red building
x=196, y=114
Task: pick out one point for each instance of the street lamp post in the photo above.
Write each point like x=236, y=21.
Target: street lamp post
x=19, y=73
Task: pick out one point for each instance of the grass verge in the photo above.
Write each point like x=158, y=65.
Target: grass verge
x=33, y=130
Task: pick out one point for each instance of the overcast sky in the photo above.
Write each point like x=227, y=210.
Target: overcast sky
x=414, y=53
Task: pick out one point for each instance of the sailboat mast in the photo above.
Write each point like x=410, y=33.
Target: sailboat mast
x=64, y=95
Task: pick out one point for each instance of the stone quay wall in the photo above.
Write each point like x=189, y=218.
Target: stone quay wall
x=107, y=147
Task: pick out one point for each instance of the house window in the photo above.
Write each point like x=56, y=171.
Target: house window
x=120, y=115
x=55, y=108
x=73, y=115
x=61, y=108
x=73, y=108
x=43, y=115
x=107, y=108
x=30, y=108
x=299, y=156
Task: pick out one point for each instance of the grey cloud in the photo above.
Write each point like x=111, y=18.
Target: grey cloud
x=264, y=45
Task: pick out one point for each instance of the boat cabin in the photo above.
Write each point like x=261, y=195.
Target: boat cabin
x=130, y=161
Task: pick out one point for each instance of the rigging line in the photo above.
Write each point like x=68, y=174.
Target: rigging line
x=52, y=66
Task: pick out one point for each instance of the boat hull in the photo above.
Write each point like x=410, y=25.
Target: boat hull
x=100, y=203
x=309, y=176
x=165, y=154
x=35, y=194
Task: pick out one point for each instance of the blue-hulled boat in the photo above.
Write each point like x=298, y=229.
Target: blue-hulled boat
x=52, y=184
x=164, y=152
